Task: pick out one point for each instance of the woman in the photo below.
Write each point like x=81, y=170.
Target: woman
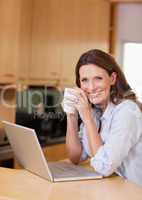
x=111, y=129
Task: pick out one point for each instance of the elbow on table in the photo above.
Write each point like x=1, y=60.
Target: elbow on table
x=74, y=155
x=75, y=159
x=103, y=168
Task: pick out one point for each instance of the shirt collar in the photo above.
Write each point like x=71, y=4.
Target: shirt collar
x=109, y=109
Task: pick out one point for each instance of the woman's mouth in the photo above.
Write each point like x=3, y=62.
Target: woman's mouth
x=95, y=94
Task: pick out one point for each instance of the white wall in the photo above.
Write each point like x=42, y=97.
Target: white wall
x=128, y=26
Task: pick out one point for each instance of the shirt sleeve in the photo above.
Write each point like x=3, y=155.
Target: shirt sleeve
x=122, y=136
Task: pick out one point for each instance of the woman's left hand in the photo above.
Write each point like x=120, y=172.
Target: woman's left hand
x=83, y=106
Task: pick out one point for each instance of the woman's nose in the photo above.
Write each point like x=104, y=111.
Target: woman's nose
x=91, y=86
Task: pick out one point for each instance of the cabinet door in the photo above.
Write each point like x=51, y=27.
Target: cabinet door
x=25, y=39
x=61, y=32
x=86, y=26
x=55, y=152
x=46, y=43
x=9, y=38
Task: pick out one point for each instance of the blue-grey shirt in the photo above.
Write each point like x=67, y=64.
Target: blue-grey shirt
x=121, y=133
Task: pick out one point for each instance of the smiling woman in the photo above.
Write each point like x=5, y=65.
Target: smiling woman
x=105, y=96
x=96, y=84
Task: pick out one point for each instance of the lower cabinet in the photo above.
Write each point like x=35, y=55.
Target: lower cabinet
x=55, y=152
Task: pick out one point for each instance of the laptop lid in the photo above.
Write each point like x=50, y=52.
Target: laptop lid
x=27, y=149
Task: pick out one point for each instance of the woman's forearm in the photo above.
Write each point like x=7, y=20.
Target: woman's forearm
x=72, y=140
x=94, y=139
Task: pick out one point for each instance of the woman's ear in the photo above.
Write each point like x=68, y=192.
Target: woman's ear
x=113, y=78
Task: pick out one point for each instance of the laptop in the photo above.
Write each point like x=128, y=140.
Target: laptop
x=29, y=154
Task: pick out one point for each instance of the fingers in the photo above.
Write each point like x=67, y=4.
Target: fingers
x=81, y=93
x=74, y=95
x=75, y=98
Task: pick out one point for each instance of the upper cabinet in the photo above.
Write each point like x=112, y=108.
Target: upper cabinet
x=85, y=26
x=15, y=40
x=47, y=35
x=9, y=40
x=41, y=41
x=61, y=32
x=25, y=37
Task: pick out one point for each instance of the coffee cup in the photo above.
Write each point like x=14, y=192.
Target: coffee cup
x=69, y=101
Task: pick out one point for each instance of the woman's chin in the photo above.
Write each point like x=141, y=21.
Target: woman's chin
x=95, y=101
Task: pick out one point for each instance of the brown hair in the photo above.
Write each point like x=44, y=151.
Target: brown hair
x=121, y=89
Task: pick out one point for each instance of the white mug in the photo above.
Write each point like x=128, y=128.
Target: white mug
x=69, y=101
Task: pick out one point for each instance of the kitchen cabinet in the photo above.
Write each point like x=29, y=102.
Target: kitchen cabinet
x=25, y=35
x=9, y=40
x=55, y=152
x=7, y=107
x=61, y=32
x=85, y=26
x=42, y=40
x=46, y=42
x=15, y=40
x=7, y=112
x=9, y=62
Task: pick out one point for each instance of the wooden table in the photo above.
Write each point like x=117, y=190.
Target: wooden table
x=23, y=185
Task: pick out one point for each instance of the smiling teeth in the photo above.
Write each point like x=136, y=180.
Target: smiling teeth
x=94, y=94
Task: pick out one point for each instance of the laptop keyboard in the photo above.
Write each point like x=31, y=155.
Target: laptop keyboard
x=64, y=169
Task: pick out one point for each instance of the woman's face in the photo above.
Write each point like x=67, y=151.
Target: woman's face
x=96, y=83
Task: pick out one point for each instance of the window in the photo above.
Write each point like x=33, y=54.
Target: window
x=132, y=63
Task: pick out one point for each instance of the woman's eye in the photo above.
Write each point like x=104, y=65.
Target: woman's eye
x=98, y=78
x=84, y=80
